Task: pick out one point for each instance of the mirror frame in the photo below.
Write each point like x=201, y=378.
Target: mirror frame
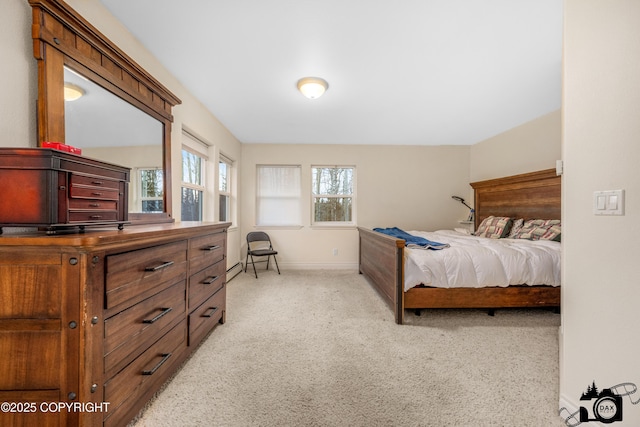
x=62, y=37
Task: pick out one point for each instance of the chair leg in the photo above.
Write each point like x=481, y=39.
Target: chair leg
x=254, y=266
x=246, y=262
x=276, y=260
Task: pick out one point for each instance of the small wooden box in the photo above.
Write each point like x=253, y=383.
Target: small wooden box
x=52, y=189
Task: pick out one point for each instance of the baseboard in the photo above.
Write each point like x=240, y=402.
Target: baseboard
x=319, y=266
x=234, y=271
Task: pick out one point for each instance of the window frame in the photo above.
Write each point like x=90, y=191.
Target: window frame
x=202, y=187
x=228, y=192
x=141, y=198
x=352, y=196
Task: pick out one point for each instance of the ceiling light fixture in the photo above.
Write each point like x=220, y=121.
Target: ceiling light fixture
x=72, y=92
x=312, y=87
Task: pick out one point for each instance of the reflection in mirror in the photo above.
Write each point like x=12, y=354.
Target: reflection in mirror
x=110, y=129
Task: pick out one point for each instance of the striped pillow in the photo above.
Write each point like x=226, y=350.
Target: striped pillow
x=515, y=227
x=494, y=227
x=540, y=229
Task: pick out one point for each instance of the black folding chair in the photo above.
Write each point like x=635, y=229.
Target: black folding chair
x=259, y=245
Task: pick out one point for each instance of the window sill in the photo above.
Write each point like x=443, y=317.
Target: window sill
x=278, y=227
x=334, y=227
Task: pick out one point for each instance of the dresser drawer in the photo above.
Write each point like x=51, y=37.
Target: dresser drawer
x=206, y=316
x=205, y=283
x=90, y=216
x=132, y=276
x=206, y=250
x=87, y=204
x=131, y=331
x=94, y=193
x=146, y=372
x=93, y=182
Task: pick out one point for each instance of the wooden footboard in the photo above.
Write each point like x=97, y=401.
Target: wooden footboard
x=382, y=262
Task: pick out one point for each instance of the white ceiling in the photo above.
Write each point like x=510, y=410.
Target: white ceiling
x=413, y=72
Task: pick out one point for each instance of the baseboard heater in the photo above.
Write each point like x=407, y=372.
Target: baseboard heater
x=234, y=271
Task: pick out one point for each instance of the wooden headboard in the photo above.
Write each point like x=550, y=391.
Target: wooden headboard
x=534, y=195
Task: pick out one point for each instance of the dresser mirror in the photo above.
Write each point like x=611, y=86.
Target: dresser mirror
x=108, y=128
x=123, y=116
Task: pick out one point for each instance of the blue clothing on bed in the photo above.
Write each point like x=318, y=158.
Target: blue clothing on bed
x=410, y=239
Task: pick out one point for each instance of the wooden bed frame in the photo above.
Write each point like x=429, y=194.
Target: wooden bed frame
x=529, y=196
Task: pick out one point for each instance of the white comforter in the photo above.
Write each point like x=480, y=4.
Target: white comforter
x=472, y=261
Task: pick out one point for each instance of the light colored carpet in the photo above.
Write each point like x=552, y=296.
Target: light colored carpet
x=320, y=348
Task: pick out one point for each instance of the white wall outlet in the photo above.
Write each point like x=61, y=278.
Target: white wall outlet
x=610, y=202
x=335, y=251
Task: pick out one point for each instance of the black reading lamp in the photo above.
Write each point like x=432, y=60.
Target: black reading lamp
x=461, y=200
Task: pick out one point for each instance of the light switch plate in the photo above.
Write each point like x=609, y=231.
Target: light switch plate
x=610, y=202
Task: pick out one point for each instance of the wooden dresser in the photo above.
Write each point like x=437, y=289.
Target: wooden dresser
x=92, y=324
x=42, y=187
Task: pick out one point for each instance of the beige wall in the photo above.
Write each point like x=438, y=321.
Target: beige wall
x=601, y=106
x=533, y=146
x=19, y=84
x=405, y=186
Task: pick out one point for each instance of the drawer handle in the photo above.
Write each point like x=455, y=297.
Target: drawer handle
x=97, y=182
x=165, y=264
x=210, y=313
x=94, y=205
x=165, y=311
x=211, y=248
x=210, y=280
x=165, y=357
x=95, y=216
x=95, y=193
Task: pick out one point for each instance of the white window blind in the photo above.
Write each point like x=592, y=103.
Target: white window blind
x=278, y=195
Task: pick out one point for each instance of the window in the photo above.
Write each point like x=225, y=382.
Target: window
x=224, y=188
x=192, y=186
x=278, y=195
x=193, y=191
x=151, y=189
x=333, y=194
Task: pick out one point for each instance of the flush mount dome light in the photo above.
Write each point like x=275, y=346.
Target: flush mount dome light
x=312, y=87
x=72, y=92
